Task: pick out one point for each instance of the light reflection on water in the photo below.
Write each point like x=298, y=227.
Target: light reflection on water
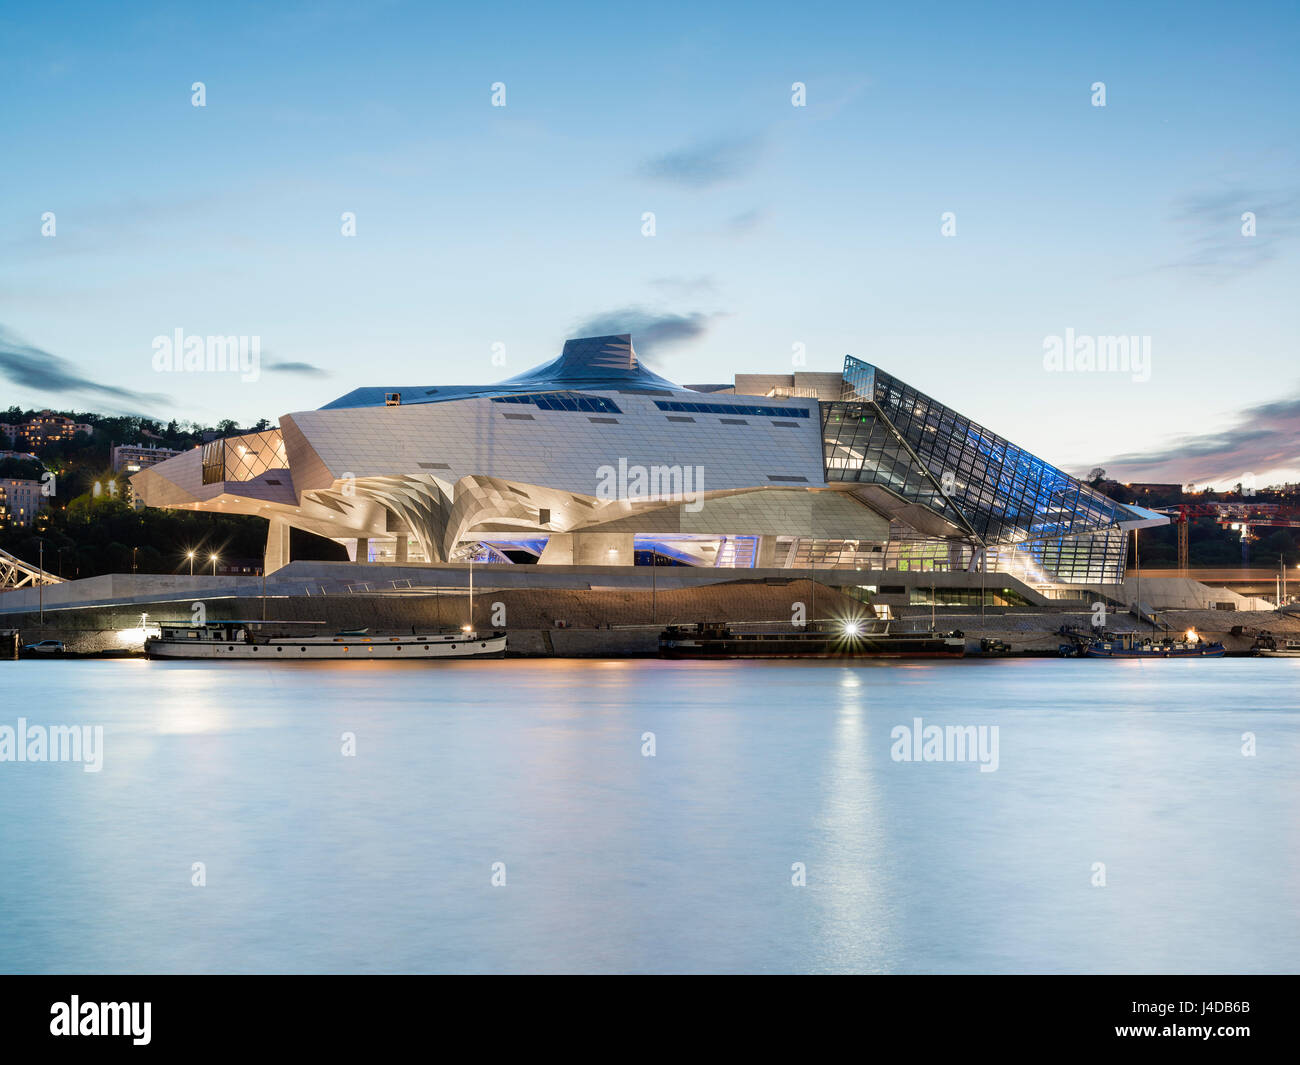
x=680, y=862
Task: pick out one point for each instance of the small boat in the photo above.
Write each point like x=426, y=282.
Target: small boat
x=1135, y=645
x=275, y=640
x=849, y=640
x=1268, y=646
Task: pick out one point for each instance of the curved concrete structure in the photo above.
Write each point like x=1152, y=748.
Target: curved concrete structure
x=592, y=458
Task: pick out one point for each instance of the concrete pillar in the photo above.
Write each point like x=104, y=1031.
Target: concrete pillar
x=277, y=546
x=603, y=549
x=766, y=557
x=401, y=548
x=588, y=549
x=558, y=550
x=363, y=549
x=955, y=552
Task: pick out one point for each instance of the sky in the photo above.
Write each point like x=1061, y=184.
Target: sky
x=948, y=200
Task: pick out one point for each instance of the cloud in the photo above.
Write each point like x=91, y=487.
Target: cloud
x=651, y=331
x=1261, y=440
x=305, y=369
x=745, y=222
x=1215, y=248
x=30, y=367
x=706, y=164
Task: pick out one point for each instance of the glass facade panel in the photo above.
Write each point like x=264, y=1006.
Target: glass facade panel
x=214, y=461
x=252, y=455
x=242, y=458
x=859, y=445
x=572, y=401
x=1035, y=518
x=732, y=408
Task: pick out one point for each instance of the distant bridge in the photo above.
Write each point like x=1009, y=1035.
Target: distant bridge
x=15, y=573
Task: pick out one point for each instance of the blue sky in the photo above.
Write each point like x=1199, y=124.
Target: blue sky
x=774, y=225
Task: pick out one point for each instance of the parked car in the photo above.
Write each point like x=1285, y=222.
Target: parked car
x=45, y=647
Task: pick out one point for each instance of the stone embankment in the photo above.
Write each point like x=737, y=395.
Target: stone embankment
x=617, y=622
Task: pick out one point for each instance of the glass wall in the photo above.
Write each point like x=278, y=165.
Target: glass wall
x=859, y=445
x=1036, y=519
x=242, y=458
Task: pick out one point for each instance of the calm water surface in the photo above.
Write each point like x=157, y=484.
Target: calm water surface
x=681, y=862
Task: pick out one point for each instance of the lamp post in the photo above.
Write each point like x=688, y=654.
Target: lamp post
x=984, y=569
x=654, y=572
x=190, y=556
x=214, y=564
x=467, y=554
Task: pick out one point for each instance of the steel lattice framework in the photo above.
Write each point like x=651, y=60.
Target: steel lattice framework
x=15, y=573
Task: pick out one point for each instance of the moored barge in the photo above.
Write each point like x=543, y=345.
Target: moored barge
x=1134, y=645
x=850, y=640
x=275, y=640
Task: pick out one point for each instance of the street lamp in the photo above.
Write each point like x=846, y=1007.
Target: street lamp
x=466, y=554
x=214, y=564
x=190, y=556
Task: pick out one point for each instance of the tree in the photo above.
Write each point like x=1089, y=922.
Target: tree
x=1279, y=542
x=21, y=469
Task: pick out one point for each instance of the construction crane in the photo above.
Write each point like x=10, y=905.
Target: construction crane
x=1241, y=517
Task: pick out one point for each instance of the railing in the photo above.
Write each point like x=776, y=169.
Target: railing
x=345, y=588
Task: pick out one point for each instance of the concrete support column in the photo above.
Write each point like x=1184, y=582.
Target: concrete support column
x=766, y=557
x=277, y=546
x=588, y=549
x=363, y=549
x=558, y=550
x=955, y=552
x=400, y=550
x=603, y=549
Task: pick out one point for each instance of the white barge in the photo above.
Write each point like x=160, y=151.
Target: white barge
x=262, y=640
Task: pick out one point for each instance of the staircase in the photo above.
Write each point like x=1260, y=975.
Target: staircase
x=737, y=552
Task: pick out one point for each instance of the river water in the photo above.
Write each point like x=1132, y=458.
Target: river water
x=646, y=816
